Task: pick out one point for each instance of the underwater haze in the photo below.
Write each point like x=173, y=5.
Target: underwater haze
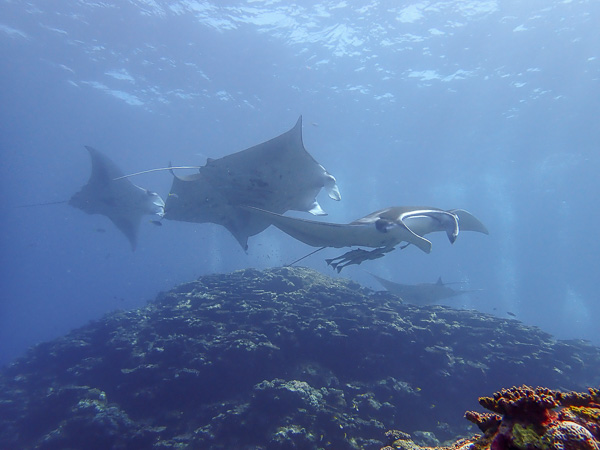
x=489, y=106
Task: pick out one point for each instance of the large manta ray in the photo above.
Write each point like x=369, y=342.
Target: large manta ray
x=381, y=230
x=422, y=293
x=120, y=200
x=277, y=175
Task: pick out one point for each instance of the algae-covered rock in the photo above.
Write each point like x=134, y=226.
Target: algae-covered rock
x=281, y=358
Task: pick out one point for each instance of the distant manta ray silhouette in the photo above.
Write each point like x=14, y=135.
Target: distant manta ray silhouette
x=115, y=197
x=381, y=230
x=108, y=192
x=422, y=293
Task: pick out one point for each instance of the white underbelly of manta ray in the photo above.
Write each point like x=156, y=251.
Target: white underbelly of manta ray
x=381, y=230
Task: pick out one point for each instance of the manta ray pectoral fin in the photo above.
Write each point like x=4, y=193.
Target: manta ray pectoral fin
x=129, y=226
x=242, y=240
x=468, y=222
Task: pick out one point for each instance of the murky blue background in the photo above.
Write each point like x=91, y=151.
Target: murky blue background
x=490, y=106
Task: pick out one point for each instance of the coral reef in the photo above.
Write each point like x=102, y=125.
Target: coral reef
x=523, y=403
x=525, y=418
x=281, y=358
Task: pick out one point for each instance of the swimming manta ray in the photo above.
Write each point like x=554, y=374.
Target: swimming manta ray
x=120, y=200
x=381, y=230
x=422, y=293
x=277, y=175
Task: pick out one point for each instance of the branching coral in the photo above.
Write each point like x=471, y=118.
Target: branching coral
x=484, y=421
x=522, y=403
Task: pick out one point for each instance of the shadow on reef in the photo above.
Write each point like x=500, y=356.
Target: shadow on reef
x=281, y=358
x=525, y=418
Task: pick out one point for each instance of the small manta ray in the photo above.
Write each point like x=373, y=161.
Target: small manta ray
x=277, y=175
x=381, y=230
x=423, y=293
x=120, y=200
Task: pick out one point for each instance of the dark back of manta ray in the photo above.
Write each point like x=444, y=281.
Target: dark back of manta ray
x=277, y=175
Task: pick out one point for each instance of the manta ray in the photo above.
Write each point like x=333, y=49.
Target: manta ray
x=423, y=293
x=381, y=230
x=277, y=175
x=120, y=200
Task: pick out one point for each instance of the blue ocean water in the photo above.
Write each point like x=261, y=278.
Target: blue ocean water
x=490, y=106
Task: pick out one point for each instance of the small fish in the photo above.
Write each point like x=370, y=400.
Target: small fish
x=511, y=314
x=158, y=223
x=173, y=195
x=100, y=230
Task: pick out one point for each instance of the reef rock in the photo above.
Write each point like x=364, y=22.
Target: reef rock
x=281, y=358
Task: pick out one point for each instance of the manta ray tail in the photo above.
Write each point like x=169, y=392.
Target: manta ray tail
x=31, y=205
x=160, y=169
